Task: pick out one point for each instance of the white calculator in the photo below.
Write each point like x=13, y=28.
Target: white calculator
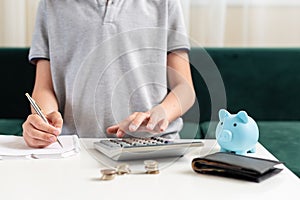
x=145, y=148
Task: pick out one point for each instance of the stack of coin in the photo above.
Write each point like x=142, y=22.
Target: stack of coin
x=123, y=169
x=151, y=166
x=108, y=174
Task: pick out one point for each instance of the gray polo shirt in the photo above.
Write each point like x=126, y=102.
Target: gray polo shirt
x=107, y=59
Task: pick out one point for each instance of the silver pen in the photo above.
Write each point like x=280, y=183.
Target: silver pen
x=39, y=112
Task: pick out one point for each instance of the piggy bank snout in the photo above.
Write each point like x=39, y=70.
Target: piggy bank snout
x=225, y=136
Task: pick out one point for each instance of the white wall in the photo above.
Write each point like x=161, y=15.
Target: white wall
x=265, y=23
x=272, y=25
x=17, y=21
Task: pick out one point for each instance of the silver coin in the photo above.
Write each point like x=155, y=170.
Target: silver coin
x=123, y=169
x=150, y=163
x=151, y=167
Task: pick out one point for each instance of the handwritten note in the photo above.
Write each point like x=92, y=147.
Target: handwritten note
x=14, y=147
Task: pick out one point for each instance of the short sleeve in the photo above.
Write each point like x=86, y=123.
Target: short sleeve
x=177, y=34
x=40, y=44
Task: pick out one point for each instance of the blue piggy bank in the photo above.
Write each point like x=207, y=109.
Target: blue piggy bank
x=237, y=133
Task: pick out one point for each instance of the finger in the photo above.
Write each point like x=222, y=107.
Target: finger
x=124, y=125
x=33, y=132
x=112, y=129
x=153, y=121
x=40, y=135
x=145, y=129
x=31, y=142
x=37, y=122
x=120, y=133
x=28, y=135
x=138, y=120
x=163, y=125
x=56, y=119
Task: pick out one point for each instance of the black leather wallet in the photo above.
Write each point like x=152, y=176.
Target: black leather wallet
x=236, y=166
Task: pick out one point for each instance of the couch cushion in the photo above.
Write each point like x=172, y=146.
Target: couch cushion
x=11, y=126
x=208, y=129
x=281, y=138
x=190, y=131
x=262, y=81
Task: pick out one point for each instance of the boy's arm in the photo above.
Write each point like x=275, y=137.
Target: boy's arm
x=36, y=132
x=43, y=92
x=180, y=98
x=182, y=94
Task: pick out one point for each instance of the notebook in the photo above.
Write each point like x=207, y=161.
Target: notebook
x=14, y=147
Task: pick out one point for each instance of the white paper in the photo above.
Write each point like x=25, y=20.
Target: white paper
x=14, y=147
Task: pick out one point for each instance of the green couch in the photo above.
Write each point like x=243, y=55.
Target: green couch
x=17, y=78
x=262, y=81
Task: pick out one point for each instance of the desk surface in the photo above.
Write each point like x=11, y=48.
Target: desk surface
x=77, y=177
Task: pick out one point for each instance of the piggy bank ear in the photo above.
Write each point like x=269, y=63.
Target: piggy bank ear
x=223, y=114
x=243, y=116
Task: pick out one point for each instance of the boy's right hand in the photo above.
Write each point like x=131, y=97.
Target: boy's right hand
x=39, y=134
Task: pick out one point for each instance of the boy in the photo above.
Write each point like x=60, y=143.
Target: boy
x=109, y=67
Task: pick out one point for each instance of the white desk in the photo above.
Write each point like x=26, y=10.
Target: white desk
x=77, y=177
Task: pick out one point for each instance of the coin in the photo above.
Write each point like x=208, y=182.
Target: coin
x=123, y=169
x=152, y=172
x=108, y=174
x=151, y=167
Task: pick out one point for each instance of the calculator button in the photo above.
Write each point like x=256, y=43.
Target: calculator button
x=124, y=144
x=109, y=143
x=137, y=144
